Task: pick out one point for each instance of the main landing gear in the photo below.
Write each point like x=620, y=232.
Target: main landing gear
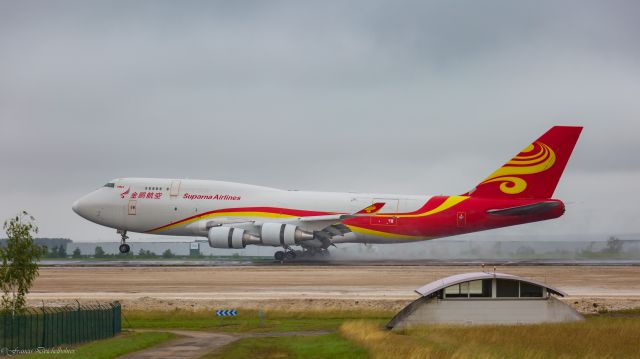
x=124, y=247
x=281, y=256
x=290, y=254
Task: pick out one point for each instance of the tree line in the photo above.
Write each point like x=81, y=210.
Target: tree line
x=142, y=253
x=57, y=248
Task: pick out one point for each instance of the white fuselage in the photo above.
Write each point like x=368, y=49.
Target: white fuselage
x=184, y=207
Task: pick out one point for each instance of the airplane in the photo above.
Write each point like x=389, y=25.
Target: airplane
x=235, y=215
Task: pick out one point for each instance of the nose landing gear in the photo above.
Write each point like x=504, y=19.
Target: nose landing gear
x=124, y=247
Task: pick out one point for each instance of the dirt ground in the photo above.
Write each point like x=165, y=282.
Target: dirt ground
x=590, y=288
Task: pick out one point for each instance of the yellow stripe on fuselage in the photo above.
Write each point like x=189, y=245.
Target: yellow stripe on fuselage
x=373, y=232
x=448, y=203
x=225, y=214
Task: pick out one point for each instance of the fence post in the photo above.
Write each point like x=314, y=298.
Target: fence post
x=65, y=325
x=27, y=331
x=113, y=318
x=76, y=321
x=11, y=333
x=28, y=343
x=117, y=318
x=44, y=326
x=101, y=321
x=3, y=343
x=18, y=319
x=34, y=329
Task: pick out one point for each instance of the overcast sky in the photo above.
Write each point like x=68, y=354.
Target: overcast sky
x=373, y=96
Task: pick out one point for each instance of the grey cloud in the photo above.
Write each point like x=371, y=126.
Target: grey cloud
x=411, y=97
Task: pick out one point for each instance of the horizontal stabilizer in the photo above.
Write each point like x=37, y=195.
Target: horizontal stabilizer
x=528, y=209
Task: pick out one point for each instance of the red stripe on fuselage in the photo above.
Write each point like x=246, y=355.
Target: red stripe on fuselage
x=285, y=211
x=435, y=225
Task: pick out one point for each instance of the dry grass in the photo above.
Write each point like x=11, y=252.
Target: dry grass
x=597, y=337
x=384, y=344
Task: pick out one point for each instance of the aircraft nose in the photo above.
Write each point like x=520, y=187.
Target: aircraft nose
x=98, y=207
x=84, y=206
x=76, y=206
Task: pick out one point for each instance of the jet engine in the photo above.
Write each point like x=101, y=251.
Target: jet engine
x=283, y=235
x=229, y=237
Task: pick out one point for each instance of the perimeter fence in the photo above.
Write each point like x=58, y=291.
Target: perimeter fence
x=49, y=327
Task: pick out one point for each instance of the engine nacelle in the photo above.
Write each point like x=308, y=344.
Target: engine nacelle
x=228, y=237
x=282, y=234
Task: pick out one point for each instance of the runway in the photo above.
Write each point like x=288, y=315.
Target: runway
x=319, y=261
x=309, y=287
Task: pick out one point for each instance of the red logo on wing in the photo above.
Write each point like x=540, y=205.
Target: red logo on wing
x=125, y=193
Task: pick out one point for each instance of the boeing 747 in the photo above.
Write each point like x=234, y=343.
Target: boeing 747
x=235, y=215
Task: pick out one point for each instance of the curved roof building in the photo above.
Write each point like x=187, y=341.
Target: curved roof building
x=485, y=298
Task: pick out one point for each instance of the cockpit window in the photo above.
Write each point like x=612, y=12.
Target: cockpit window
x=110, y=184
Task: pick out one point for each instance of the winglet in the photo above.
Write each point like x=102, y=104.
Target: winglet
x=372, y=209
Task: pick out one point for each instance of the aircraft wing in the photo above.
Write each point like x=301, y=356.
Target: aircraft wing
x=365, y=212
x=318, y=223
x=223, y=221
x=323, y=227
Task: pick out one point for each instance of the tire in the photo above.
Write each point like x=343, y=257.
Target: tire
x=291, y=255
x=124, y=248
x=279, y=255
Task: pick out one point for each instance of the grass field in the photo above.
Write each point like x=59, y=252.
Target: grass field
x=323, y=346
x=597, y=337
x=248, y=320
x=361, y=334
x=124, y=343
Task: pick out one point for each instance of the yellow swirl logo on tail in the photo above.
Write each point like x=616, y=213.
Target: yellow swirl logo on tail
x=535, y=158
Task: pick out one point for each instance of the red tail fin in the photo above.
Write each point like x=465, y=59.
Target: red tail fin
x=535, y=171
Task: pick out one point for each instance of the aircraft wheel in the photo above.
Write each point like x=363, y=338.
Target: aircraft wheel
x=291, y=255
x=124, y=248
x=279, y=255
